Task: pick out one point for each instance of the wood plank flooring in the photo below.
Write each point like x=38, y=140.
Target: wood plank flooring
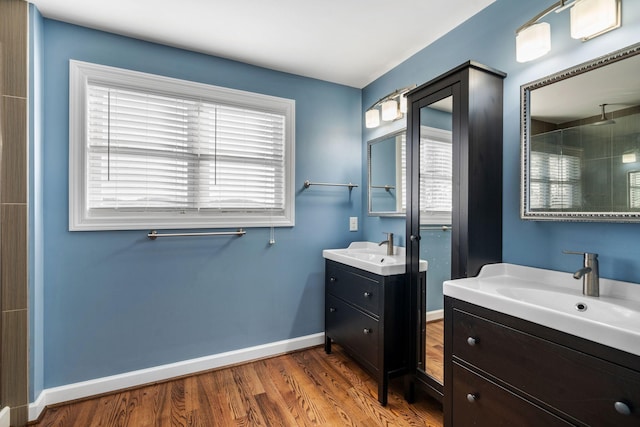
x=306, y=388
x=434, y=365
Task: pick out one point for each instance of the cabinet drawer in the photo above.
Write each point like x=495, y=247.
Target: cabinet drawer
x=355, y=331
x=354, y=288
x=577, y=384
x=479, y=402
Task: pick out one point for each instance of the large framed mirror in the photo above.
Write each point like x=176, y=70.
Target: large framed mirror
x=580, y=133
x=386, y=160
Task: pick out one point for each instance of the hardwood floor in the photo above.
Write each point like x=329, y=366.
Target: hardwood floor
x=435, y=350
x=306, y=388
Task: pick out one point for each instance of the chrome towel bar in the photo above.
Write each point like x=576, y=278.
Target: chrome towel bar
x=387, y=187
x=439, y=227
x=153, y=234
x=308, y=184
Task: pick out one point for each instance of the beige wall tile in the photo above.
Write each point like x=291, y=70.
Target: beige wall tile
x=13, y=36
x=19, y=416
x=13, y=262
x=13, y=184
x=13, y=369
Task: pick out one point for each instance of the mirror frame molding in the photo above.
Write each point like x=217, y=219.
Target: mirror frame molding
x=396, y=214
x=525, y=124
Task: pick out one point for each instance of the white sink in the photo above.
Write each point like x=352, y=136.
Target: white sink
x=371, y=257
x=554, y=299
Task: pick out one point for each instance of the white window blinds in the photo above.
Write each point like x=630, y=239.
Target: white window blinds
x=555, y=181
x=436, y=172
x=183, y=161
x=147, y=151
x=634, y=190
x=436, y=175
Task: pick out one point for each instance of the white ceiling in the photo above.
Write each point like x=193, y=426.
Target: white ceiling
x=351, y=42
x=615, y=84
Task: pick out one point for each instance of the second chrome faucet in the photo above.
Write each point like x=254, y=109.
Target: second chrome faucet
x=589, y=273
x=388, y=242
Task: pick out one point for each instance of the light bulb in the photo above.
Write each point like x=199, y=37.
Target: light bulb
x=590, y=18
x=389, y=110
x=403, y=104
x=533, y=42
x=372, y=118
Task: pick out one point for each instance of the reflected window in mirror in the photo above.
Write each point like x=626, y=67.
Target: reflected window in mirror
x=387, y=161
x=555, y=176
x=386, y=158
x=436, y=175
x=634, y=189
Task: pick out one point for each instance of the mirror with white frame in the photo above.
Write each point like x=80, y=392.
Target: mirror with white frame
x=580, y=133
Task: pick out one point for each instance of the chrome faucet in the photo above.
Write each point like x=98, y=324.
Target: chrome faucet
x=388, y=242
x=589, y=274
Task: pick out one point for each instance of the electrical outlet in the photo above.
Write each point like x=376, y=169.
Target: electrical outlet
x=353, y=223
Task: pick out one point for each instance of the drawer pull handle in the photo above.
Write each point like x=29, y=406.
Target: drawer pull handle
x=332, y=310
x=472, y=397
x=367, y=331
x=367, y=294
x=622, y=408
x=333, y=280
x=472, y=341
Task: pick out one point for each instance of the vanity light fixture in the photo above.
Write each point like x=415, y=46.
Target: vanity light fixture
x=392, y=107
x=589, y=19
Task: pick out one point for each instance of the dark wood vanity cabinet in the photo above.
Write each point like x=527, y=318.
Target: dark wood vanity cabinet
x=501, y=370
x=471, y=95
x=367, y=314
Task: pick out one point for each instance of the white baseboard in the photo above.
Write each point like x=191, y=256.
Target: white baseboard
x=97, y=386
x=435, y=315
x=5, y=417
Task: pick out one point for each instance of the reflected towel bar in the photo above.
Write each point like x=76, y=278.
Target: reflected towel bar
x=387, y=187
x=308, y=184
x=440, y=227
x=153, y=234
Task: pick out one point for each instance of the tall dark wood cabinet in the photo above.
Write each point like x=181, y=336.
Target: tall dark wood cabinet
x=472, y=94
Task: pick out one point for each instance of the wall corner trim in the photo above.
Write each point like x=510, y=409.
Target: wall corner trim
x=69, y=392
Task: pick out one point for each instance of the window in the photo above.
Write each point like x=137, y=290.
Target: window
x=555, y=181
x=154, y=152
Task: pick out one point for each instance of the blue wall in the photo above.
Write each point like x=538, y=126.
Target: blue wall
x=36, y=214
x=116, y=301
x=489, y=38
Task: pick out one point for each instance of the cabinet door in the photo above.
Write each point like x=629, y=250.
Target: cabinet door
x=434, y=178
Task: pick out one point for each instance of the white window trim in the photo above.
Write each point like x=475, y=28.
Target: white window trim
x=81, y=73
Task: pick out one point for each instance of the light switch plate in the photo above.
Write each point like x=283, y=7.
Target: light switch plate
x=353, y=223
